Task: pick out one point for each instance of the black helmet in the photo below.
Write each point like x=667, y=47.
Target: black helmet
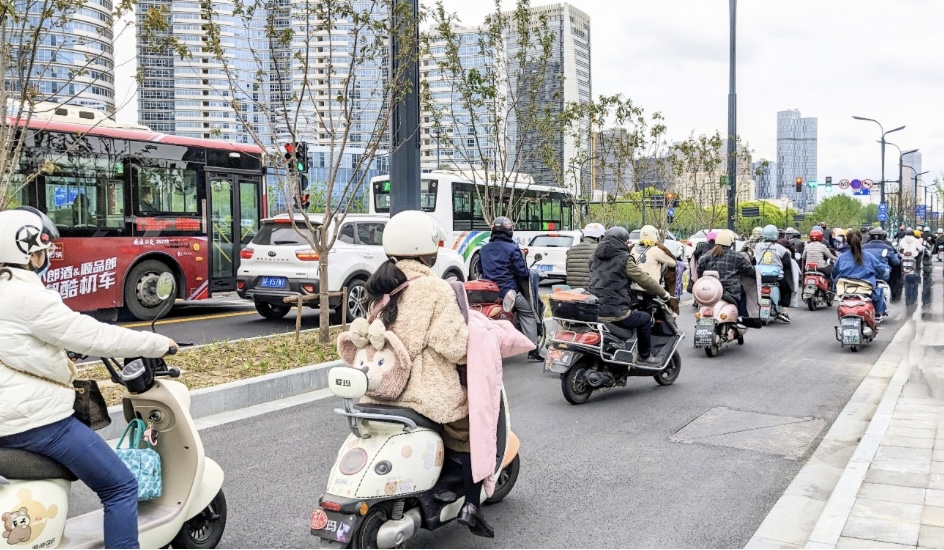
x=618, y=232
x=502, y=226
x=877, y=234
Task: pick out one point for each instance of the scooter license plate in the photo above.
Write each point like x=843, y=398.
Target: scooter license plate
x=332, y=526
x=851, y=330
x=704, y=336
x=764, y=309
x=558, y=361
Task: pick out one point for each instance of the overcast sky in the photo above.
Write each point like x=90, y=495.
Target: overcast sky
x=831, y=59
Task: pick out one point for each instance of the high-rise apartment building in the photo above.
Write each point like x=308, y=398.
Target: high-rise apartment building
x=74, y=59
x=567, y=79
x=910, y=167
x=796, y=157
x=765, y=179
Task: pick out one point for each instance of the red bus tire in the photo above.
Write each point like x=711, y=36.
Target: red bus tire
x=140, y=295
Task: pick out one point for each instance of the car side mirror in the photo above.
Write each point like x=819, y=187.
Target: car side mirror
x=538, y=257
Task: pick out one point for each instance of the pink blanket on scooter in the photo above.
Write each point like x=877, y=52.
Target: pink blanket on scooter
x=489, y=342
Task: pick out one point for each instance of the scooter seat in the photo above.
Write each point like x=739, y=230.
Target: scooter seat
x=390, y=410
x=620, y=332
x=17, y=464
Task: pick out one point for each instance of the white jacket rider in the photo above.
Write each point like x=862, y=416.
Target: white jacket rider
x=36, y=328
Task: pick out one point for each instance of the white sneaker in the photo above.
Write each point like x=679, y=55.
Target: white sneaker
x=508, y=303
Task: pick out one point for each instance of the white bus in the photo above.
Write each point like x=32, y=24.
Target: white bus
x=452, y=199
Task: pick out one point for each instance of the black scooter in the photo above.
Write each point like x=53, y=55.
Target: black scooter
x=589, y=354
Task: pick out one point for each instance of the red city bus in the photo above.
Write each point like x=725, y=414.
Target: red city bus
x=131, y=204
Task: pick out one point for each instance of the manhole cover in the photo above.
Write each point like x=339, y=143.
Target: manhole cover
x=787, y=436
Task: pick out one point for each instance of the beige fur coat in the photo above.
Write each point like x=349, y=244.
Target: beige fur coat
x=431, y=326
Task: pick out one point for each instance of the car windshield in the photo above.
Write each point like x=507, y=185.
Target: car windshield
x=282, y=234
x=551, y=241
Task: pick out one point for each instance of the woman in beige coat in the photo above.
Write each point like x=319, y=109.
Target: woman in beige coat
x=421, y=309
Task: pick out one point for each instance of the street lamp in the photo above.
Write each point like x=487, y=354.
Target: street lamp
x=916, y=194
x=732, y=121
x=884, y=133
x=901, y=185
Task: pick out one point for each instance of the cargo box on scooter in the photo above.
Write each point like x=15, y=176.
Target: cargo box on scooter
x=482, y=292
x=574, y=306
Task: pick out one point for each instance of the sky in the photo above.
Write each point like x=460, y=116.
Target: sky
x=831, y=59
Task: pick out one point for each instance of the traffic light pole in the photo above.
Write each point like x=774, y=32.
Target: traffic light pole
x=405, y=119
x=732, y=122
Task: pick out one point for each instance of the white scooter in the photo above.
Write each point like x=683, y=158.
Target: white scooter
x=393, y=475
x=191, y=512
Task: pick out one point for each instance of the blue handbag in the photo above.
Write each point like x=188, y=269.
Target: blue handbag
x=144, y=463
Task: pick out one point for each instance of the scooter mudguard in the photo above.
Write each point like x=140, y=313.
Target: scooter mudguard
x=210, y=485
x=364, y=467
x=34, y=513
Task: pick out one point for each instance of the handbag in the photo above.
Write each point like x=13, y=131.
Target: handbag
x=89, y=406
x=145, y=464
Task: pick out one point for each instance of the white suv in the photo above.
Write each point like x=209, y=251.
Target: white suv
x=279, y=263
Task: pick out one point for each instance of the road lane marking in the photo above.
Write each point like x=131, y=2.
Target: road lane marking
x=189, y=319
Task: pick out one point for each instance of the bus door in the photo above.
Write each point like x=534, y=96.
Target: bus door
x=232, y=214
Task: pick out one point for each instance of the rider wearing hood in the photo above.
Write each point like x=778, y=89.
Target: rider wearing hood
x=612, y=271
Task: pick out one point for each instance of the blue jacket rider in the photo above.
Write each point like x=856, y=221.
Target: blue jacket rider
x=502, y=262
x=877, y=244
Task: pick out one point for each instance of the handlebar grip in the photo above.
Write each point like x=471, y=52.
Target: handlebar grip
x=172, y=350
x=173, y=372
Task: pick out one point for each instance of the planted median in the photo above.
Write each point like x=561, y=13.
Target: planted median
x=222, y=362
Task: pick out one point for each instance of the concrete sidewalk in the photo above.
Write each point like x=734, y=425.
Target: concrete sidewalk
x=889, y=492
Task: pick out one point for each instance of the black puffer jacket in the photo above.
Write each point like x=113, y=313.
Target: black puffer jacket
x=578, y=263
x=612, y=271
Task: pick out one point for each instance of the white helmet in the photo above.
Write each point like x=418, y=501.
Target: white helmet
x=725, y=237
x=648, y=235
x=412, y=234
x=594, y=230
x=940, y=230
x=23, y=232
x=926, y=228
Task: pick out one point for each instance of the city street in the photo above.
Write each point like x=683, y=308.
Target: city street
x=609, y=462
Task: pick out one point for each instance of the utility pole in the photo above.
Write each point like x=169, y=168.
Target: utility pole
x=732, y=121
x=405, y=119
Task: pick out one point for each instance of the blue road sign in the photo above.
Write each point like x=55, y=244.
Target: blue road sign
x=671, y=211
x=862, y=192
x=883, y=208
x=882, y=216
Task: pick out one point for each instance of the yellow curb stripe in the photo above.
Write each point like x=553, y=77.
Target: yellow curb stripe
x=191, y=319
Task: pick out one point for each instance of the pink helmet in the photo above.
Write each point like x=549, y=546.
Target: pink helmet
x=711, y=235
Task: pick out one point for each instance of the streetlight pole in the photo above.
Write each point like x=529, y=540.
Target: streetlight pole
x=916, y=174
x=884, y=133
x=732, y=121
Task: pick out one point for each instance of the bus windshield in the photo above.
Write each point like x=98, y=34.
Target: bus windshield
x=381, y=192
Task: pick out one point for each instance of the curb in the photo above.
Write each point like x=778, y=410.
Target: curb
x=816, y=504
x=241, y=394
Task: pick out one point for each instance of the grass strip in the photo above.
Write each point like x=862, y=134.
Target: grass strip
x=228, y=361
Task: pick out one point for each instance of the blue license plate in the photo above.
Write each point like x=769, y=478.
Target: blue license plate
x=545, y=267
x=273, y=282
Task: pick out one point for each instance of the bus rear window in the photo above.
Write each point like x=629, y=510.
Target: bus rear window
x=381, y=191
x=550, y=241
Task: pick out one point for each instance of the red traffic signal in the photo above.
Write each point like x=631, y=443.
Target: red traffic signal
x=799, y=184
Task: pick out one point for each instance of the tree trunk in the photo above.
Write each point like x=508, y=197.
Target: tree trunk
x=324, y=323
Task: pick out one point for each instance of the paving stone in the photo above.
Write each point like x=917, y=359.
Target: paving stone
x=913, y=424
x=881, y=530
x=935, y=481
x=933, y=515
x=938, y=455
x=803, y=514
x=934, y=497
x=917, y=442
x=903, y=465
x=931, y=537
x=897, y=478
x=849, y=542
x=923, y=433
x=937, y=467
x=888, y=511
x=893, y=493
x=907, y=453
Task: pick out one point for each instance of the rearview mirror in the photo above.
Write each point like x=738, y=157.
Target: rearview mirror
x=166, y=286
x=538, y=257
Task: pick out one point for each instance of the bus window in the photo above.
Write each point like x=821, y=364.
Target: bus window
x=84, y=203
x=567, y=222
x=428, y=190
x=166, y=190
x=461, y=210
x=550, y=213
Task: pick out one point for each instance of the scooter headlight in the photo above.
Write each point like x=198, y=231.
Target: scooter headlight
x=353, y=461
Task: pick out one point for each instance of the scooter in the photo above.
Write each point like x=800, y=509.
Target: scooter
x=910, y=276
x=716, y=323
x=589, y=354
x=769, y=298
x=393, y=476
x=191, y=512
x=816, y=291
x=484, y=296
x=857, y=321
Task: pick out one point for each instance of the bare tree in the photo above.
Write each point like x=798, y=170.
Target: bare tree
x=322, y=73
x=46, y=63
x=499, y=116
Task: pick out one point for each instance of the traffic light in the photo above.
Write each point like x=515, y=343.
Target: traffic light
x=289, y=155
x=799, y=184
x=671, y=200
x=301, y=157
x=302, y=202
x=302, y=182
x=829, y=183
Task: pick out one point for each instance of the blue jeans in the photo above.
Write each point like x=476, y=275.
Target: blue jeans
x=642, y=323
x=878, y=299
x=82, y=451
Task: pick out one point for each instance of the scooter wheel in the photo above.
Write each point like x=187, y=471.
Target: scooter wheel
x=854, y=349
x=366, y=534
x=575, y=387
x=205, y=529
x=812, y=304
x=740, y=340
x=506, y=481
x=670, y=373
x=711, y=351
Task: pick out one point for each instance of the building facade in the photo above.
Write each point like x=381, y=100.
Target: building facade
x=705, y=187
x=74, y=59
x=566, y=79
x=765, y=179
x=796, y=157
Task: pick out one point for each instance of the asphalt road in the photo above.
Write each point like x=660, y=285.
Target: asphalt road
x=602, y=474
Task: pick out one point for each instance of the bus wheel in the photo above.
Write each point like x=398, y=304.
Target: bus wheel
x=140, y=289
x=475, y=268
